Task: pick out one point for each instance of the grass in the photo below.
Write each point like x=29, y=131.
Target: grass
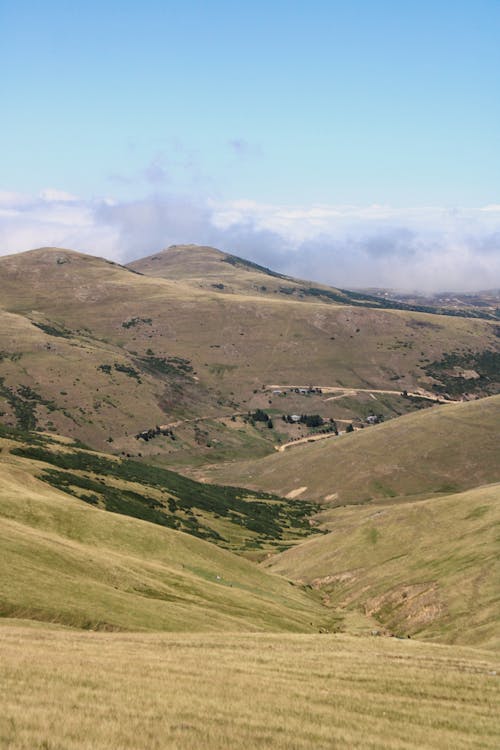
x=193, y=351
x=163, y=497
x=278, y=692
x=68, y=562
x=446, y=448
x=429, y=568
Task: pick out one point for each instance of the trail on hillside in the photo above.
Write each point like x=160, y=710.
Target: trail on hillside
x=349, y=391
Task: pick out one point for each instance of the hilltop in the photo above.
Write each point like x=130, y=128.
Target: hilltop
x=205, y=266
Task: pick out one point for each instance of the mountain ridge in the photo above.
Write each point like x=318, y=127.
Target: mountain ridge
x=95, y=351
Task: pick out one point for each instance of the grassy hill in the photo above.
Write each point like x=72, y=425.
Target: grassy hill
x=208, y=267
x=429, y=567
x=66, y=560
x=232, y=518
x=102, y=352
x=440, y=450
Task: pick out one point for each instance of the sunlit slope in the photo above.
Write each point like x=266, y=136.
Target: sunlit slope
x=444, y=449
x=272, y=691
x=63, y=561
x=114, y=352
x=234, y=518
x=207, y=267
x=428, y=567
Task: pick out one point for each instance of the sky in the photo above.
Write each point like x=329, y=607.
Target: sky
x=355, y=143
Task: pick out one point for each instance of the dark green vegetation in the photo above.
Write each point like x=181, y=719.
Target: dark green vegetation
x=360, y=299
x=135, y=322
x=170, y=366
x=234, y=260
x=451, y=372
x=51, y=330
x=163, y=497
x=24, y=401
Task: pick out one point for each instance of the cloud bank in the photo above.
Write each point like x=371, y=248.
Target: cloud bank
x=425, y=248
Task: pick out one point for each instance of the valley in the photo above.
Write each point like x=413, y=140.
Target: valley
x=206, y=462
x=250, y=376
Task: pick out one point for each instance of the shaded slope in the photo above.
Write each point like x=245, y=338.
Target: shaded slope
x=447, y=448
x=64, y=561
x=429, y=567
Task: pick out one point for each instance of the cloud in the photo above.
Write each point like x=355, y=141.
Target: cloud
x=427, y=248
x=156, y=173
x=243, y=148
x=50, y=195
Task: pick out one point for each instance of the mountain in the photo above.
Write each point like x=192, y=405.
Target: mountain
x=103, y=353
x=209, y=268
x=204, y=266
x=198, y=359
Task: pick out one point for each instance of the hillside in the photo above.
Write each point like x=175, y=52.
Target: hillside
x=427, y=567
x=208, y=267
x=96, y=351
x=445, y=449
x=232, y=518
x=67, y=561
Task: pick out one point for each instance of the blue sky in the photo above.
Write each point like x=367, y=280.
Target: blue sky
x=237, y=106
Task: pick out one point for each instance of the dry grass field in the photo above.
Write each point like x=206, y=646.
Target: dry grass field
x=62, y=690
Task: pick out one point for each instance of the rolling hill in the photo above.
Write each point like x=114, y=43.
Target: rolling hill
x=102, y=352
x=429, y=568
x=445, y=449
x=233, y=518
x=190, y=358
x=66, y=560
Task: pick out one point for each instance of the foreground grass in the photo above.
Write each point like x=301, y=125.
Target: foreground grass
x=78, y=691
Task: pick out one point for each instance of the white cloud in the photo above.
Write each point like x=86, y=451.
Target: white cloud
x=426, y=248
x=51, y=195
